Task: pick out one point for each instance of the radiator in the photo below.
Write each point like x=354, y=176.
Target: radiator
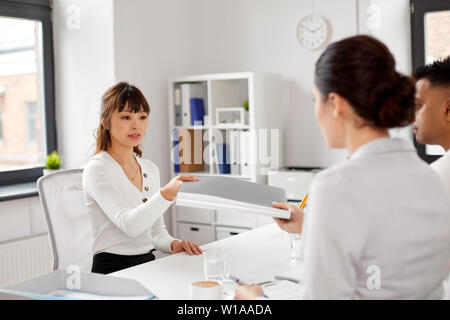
x=24, y=259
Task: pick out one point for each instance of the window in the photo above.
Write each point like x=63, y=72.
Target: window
x=27, y=120
x=430, y=30
x=32, y=123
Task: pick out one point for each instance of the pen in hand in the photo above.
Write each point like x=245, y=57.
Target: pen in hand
x=303, y=203
x=235, y=279
x=238, y=281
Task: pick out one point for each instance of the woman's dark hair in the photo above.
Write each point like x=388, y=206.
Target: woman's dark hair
x=116, y=98
x=362, y=70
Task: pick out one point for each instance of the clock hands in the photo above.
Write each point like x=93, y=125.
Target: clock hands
x=312, y=30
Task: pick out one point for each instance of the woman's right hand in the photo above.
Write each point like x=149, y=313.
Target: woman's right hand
x=170, y=190
x=294, y=224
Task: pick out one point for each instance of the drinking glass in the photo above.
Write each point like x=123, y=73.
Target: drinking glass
x=214, y=263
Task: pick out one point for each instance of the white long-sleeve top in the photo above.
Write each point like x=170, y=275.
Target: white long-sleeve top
x=125, y=220
x=385, y=213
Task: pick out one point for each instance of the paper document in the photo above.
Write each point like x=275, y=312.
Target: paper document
x=225, y=193
x=282, y=290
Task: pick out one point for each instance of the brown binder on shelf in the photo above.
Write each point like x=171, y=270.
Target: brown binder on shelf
x=191, y=150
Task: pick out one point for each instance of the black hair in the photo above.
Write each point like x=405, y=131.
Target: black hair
x=437, y=73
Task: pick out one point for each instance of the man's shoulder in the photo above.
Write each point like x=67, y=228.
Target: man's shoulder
x=442, y=165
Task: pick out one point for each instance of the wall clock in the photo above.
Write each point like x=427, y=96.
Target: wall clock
x=313, y=31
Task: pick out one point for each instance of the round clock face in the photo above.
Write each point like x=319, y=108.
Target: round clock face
x=312, y=31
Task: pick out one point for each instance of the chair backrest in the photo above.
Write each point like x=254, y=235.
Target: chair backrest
x=68, y=221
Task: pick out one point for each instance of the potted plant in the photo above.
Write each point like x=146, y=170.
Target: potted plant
x=53, y=163
x=245, y=105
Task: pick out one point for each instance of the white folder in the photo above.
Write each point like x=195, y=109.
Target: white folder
x=234, y=152
x=244, y=154
x=225, y=193
x=188, y=91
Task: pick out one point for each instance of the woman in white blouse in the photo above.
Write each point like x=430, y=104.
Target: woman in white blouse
x=378, y=224
x=122, y=190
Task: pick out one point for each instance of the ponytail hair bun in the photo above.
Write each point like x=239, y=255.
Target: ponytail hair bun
x=394, y=103
x=362, y=70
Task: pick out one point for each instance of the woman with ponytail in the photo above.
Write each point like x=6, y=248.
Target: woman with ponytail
x=378, y=224
x=122, y=190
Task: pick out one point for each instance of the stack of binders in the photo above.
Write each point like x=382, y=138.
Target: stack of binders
x=234, y=157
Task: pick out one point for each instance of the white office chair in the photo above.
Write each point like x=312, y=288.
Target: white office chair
x=68, y=222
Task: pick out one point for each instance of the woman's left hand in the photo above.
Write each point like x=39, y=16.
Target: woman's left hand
x=190, y=247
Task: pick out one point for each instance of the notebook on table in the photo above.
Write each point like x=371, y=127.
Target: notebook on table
x=225, y=193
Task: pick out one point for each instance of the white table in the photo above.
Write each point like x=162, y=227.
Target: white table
x=254, y=256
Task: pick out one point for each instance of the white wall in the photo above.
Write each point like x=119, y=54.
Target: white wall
x=84, y=68
x=394, y=29
x=257, y=35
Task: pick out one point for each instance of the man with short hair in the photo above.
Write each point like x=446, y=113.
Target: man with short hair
x=432, y=124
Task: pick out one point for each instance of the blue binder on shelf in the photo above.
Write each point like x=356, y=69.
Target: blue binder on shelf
x=223, y=156
x=176, y=150
x=197, y=111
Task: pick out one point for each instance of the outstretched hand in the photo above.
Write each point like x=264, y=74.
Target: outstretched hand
x=170, y=190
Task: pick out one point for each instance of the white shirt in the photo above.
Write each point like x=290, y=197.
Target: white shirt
x=442, y=167
x=383, y=212
x=122, y=222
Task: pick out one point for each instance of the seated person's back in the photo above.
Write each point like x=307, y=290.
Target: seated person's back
x=389, y=212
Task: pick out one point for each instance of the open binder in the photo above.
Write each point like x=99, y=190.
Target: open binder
x=225, y=193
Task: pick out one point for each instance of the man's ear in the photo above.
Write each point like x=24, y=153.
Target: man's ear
x=447, y=110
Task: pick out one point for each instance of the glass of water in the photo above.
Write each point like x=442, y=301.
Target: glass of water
x=296, y=246
x=214, y=263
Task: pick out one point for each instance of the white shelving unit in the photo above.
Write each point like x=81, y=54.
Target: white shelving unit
x=229, y=90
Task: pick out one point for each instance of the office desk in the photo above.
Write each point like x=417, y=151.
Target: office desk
x=253, y=256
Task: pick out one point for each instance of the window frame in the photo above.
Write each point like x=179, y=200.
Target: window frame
x=419, y=8
x=39, y=10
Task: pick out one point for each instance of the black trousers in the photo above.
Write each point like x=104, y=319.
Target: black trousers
x=106, y=262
